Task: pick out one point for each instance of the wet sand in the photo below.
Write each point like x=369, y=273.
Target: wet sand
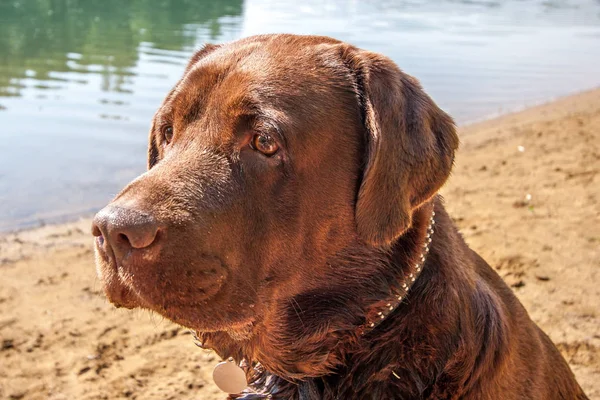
x=525, y=193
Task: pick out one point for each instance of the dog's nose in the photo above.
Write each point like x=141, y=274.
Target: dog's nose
x=124, y=229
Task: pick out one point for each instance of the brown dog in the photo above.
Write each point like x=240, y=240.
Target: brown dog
x=289, y=205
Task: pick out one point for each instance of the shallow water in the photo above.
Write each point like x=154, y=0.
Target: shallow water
x=80, y=80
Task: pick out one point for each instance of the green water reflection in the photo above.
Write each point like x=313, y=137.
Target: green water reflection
x=38, y=37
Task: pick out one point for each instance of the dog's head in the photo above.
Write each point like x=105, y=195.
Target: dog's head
x=273, y=158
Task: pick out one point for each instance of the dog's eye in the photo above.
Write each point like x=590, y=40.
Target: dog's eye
x=265, y=144
x=167, y=132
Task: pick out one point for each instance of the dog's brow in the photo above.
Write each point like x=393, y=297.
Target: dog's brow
x=262, y=116
x=162, y=118
x=192, y=112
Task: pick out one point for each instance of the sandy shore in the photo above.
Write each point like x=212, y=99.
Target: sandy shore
x=525, y=193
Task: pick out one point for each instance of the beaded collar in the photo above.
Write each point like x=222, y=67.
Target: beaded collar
x=378, y=314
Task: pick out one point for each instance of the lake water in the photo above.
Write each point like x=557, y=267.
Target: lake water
x=80, y=79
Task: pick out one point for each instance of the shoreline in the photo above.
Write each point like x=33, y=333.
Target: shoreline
x=525, y=107
x=525, y=194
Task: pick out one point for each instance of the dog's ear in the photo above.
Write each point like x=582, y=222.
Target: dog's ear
x=410, y=146
x=153, y=154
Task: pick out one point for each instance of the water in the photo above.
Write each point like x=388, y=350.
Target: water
x=80, y=79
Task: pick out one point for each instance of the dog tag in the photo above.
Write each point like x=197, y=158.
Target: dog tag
x=229, y=377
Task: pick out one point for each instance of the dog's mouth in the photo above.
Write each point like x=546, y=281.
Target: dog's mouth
x=192, y=296
x=121, y=296
x=115, y=287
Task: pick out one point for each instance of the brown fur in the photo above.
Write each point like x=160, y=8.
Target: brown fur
x=278, y=260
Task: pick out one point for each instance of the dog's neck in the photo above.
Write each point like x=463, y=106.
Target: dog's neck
x=379, y=311
x=309, y=354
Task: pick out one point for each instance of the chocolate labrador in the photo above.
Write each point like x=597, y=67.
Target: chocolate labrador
x=289, y=216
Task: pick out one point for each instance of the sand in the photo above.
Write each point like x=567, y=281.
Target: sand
x=525, y=193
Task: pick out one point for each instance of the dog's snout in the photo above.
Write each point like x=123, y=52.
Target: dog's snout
x=124, y=229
